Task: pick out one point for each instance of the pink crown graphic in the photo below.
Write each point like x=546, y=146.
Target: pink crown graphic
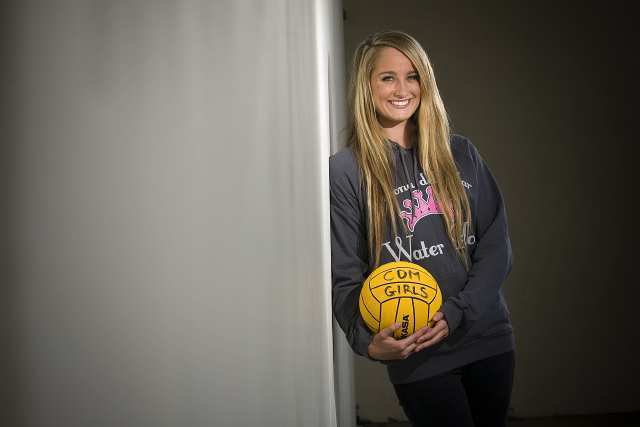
x=421, y=209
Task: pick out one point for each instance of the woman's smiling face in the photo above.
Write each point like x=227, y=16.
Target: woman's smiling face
x=395, y=87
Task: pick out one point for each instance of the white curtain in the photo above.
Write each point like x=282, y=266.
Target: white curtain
x=168, y=213
x=342, y=354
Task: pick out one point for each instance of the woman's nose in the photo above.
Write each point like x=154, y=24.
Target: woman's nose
x=401, y=88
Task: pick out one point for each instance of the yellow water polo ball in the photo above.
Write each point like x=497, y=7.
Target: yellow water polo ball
x=399, y=292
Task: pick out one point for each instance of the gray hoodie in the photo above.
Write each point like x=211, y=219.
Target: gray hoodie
x=473, y=304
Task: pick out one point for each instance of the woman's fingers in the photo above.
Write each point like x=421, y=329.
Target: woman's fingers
x=432, y=332
x=433, y=335
x=388, y=331
x=438, y=316
x=408, y=351
x=434, y=340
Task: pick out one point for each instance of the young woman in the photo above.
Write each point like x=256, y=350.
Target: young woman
x=406, y=189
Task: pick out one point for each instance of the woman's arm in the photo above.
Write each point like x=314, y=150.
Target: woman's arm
x=491, y=256
x=349, y=252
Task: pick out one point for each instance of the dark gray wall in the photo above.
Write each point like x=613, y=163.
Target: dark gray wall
x=544, y=92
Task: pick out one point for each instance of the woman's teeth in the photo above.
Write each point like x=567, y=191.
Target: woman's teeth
x=400, y=103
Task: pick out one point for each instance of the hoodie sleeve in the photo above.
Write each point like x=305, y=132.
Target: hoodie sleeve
x=349, y=251
x=491, y=257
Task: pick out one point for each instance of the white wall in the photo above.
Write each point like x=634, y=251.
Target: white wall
x=168, y=214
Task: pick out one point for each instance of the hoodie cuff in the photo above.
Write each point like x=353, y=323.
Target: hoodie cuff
x=362, y=346
x=453, y=316
x=363, y=339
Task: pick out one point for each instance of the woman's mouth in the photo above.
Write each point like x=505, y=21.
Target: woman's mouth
x=400, y=103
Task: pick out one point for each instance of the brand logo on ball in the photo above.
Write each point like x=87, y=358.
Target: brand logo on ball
x=404, y=332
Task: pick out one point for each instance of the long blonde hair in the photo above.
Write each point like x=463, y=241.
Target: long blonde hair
x=373, y=154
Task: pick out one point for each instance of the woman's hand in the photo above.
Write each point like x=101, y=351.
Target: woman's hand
x=385, y=347
x=432, y=335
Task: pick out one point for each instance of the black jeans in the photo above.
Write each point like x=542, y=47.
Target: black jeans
x=477, y=394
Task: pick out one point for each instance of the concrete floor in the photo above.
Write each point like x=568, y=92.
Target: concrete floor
x=631, y=419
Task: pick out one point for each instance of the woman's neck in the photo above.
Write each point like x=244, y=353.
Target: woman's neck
x=401, y=133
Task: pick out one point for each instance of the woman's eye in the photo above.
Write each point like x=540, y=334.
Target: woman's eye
x=414, y=77
x=387, y=78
